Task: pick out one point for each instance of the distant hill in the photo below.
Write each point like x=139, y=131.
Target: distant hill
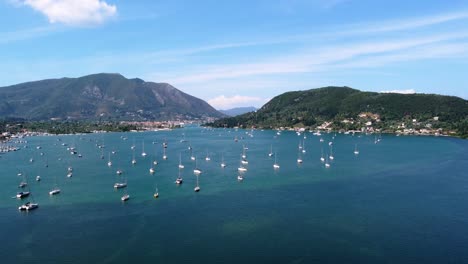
x=238, y=110
x=347, y=108
x=107, y=96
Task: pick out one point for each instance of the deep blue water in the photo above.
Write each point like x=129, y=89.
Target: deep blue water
x=403, y=200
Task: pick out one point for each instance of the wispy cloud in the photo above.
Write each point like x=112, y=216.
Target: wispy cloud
x=73, y=12
x=408, y=91
x=224, y=102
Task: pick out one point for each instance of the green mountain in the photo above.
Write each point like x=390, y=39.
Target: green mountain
x=347, y=108
x=105, y=96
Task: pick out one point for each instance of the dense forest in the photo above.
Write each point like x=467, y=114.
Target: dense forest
x=350, y=109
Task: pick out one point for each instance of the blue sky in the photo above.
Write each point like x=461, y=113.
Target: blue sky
x=241, y=53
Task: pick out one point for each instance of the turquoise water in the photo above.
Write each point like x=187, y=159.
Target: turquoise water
x=403, y=200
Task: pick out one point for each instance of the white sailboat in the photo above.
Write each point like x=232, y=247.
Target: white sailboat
x=197, y=187
x=156, y=193
x=299, y=158
x=207, y=158
x=109, y=163
x=181, y=166
x=164, y=154
x=322, y=158
x=133, y=157
x=276, y=165
x=271, y=151
x=356, y=151
x=151, y=169
x=196, y=171
x=143, y=153
x=56, y=189
x=179, y=179
x=223, y=164
x=241, y=166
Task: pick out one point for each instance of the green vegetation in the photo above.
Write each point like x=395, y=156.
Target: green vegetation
x=108, y=97
x=68, y=127
x=350, y=109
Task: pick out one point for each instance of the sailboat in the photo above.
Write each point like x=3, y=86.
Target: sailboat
x=28, y=205
x=327, y=164
x=271, y=151
x=164, y=154
x=207, y=158
x=56, y=189
x=303, y=147
x=241, y=166
x=179, y=179
x=244, y=156
x=120, y=185
x=196, y=171
x=156, y=193
x=223, y=164
x=322, y=158
x=197, y=187
x=133, y=157
x=276, y=165
x=143, y=153
x=125, y=197
x=331, y=157
x=181, y=166
x=299, y=158
x=151, y=169
x=356, y=151
x=109, y=163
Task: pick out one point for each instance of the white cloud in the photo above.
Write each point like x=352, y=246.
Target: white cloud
x=408, y=91
x=73, y=12
x=223, y=102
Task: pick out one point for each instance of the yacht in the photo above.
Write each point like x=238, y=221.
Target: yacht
x=54, y=191
x=125, y=198
x=120, y=185
x=28, y=206
x=22, y=195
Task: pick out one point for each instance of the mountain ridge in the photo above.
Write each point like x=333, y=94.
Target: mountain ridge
x=101, y=95
x=351, y=109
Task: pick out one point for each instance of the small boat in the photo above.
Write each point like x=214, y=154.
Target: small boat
x=156, y=193
x=143, y=153
x=38, y=178
x=119, y=172
x=179, y=181
x=120, y=185
x=181, y=166
x=223, y=164
x=196, y=189
x=69, y=175
x=276, y=165
x=22, y=195
x=164, y=154
x=125, y=198
x=240, y=177
x=243, y=161
x=22, y=184
x=54, y=191
x=356, y=151
x=271, y=151
x=109, y=163
x=151, y=170
x=28, y=206
x=197, y=171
